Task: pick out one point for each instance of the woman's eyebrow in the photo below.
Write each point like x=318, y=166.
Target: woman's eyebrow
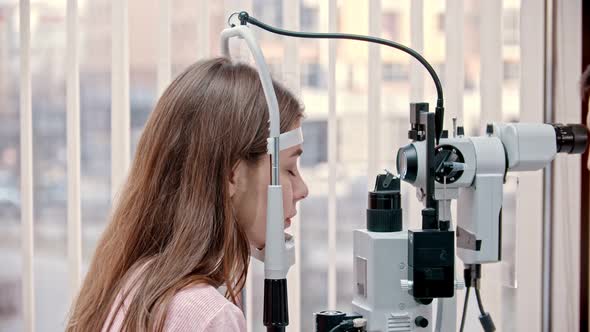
x=297, y=153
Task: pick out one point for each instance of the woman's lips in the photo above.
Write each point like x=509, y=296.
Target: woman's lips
x=288, y=220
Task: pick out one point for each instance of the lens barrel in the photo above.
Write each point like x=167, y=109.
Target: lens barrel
x=571, y=138
x=407, y=163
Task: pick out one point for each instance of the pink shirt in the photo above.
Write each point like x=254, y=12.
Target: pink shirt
x=197, y=308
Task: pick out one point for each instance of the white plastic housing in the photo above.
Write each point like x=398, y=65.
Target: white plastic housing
x=380, y=262
x=529, y=146
x=276, y=262
x=479, y=206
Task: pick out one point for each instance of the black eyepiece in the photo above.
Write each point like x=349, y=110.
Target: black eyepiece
x=571, y=138
x=384, y=212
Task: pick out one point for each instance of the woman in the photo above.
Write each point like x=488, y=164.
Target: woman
x=194, y=202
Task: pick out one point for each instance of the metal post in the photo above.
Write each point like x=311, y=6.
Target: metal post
x=73, y=150
x=548, y=172
x=332, y=157
x=26, y=169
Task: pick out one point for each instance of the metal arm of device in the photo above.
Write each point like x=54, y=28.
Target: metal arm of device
x=276, y=262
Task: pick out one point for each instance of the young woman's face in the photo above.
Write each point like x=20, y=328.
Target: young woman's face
x=248, y=189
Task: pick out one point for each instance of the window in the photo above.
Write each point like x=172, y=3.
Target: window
x=316, y=143
x=440, y=22
x=309, y=17
x=510, y=31
x=268, y=11
x=312, y=75
x=395, y=72
x=439, y=68
x=275, y=67
x=391, y=26
x=511, y=70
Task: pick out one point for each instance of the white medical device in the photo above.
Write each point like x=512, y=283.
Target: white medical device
x=472, y=171
x=398, y=273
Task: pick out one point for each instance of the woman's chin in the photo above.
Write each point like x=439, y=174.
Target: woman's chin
x=261, y=244
x=258, y=245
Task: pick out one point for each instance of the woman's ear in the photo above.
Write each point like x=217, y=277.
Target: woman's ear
x=237, y=173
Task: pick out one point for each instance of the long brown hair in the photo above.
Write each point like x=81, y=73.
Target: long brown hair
x=173, y=216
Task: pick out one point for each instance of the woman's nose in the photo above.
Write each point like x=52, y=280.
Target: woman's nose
x=302, y=190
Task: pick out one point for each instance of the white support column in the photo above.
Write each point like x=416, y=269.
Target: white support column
x=491, y=80
x=565, y=298
x=291, y=66
x=453, y=83
x=4, y=60
x=374, y=86
x=291, y=77
x=203, y=33
x=26, y=151
x=454, y=76
x=416, y=95
x=529, y=211
x=491, y=73
x=332, y=154
x=120, y=105
x=164, y=58
x=73, y=150
x=417, y=43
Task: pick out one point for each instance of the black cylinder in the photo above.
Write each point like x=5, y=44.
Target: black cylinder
x=276, y=309
x=275, y=329
x=384, y=212
x=327, y=320
x=421, y=322
x=571, y=138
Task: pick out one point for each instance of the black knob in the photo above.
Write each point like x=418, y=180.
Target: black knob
x=424, y=301
x=489, y=129
x=415, y=135
x=429, y=219
x=328, y=319
x=444, y=225
x=421, y=321
x=460, y=131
